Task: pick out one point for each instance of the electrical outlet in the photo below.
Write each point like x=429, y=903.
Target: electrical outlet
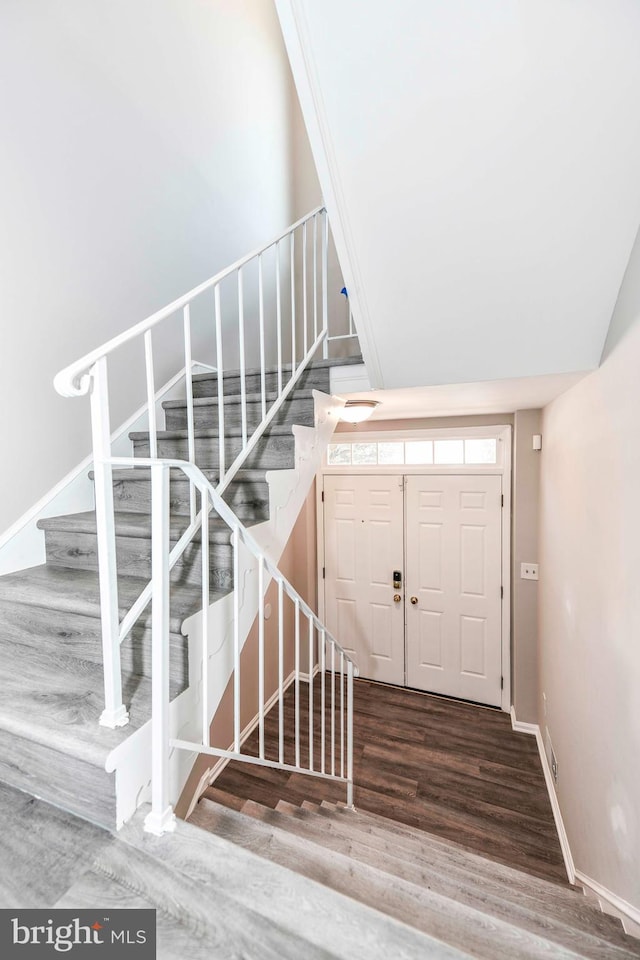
x=528, y=571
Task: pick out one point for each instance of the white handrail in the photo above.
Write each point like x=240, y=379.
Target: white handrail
x=90, y=375
x=72, y=381
x=161, y=818
x=224, y=511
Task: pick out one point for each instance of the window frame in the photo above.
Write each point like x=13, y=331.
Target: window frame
x=500, y=433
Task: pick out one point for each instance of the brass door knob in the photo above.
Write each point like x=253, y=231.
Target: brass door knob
x=414, y=600
x=397, y=598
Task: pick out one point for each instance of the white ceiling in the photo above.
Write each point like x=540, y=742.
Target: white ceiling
x=480, y=166
x=463, y=399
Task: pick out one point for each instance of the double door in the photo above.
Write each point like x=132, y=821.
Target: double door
x=413, y=571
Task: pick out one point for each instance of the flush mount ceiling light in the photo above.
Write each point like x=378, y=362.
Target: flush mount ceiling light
x=355, y=411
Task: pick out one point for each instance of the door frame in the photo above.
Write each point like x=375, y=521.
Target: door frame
x=503, y=434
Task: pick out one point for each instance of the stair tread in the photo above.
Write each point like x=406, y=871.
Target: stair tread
x=308, y=910
x=43, y=849
x=56, y=701
x=277, y=429
x=432, y=845
x=222, y=797
x=355, y=360
x=513, y=887
x=484, y=929
x=188, y=925
x=236, y=398
x=247, y=475
x=131, y=524
x=78, y=591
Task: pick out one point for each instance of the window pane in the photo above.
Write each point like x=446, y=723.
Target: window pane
x=480, y=451
x=418, y=451
x=339, y=454
x=364, y=453
x=390, y=453
x=448, y=451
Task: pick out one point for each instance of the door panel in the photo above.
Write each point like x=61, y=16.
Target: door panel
x=454, y=563
x=364, y=544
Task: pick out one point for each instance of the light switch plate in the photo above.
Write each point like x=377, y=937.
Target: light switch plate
x=528, y=571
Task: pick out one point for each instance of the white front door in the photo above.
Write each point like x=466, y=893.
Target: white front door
x=453, y=586
x=444, y=534
x=364, y=544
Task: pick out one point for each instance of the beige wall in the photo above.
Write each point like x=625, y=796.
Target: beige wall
x=590, y=604
x=525, y=489
x=306, y=196
x=524, y=547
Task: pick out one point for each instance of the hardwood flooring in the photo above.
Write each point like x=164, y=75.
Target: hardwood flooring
x=43, y=850
x=453, y=769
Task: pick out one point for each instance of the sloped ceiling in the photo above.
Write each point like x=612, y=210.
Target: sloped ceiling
x=481, y=166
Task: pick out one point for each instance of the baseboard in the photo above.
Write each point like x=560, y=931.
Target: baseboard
x=533, y=729
x=611, y=903
x=520, y=726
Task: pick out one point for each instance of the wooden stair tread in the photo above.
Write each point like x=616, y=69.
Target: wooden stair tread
x=245, y=475
x=188, y=933
x=274, y=430
x=223, y=798
x=309, y=911
x=56, y=701
x=411, y=834
x=78, y=591
x=403, y=831
x=482, y=926
x=183, y=902
x=131, y=524
x=442, y=863
x=42, y=849
x=286, y=368
x=236, y=398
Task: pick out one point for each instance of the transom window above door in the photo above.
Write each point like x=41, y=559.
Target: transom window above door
x=447, y=451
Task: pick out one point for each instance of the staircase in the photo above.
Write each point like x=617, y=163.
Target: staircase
x=50, y=648
x=321, y=881
x=471, y=904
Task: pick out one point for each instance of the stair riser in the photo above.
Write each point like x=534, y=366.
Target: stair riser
x=65, y=781
x=249, y=500
x=292, y=411
x=272, y=453
x=79, y=551
x=311, y=379
x=79, y=636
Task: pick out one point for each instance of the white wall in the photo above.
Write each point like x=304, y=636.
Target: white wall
x=590, y=604
x=145, y=146
x=479, y=163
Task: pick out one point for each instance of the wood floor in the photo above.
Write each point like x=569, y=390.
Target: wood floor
x=456, y=770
